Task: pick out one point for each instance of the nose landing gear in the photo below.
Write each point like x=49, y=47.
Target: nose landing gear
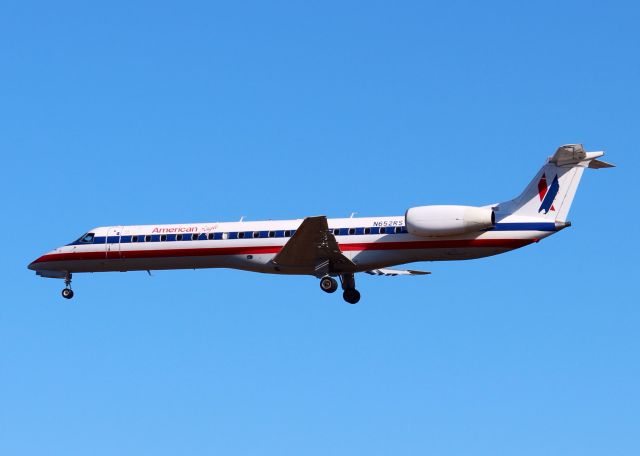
x=67, y=292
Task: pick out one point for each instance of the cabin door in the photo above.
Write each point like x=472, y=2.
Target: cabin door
x=113, y=242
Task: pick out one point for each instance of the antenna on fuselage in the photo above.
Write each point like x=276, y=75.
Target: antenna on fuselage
x=242, y=218
x=352, y=214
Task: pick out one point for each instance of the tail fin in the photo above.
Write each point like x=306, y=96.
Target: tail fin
x=550, y=194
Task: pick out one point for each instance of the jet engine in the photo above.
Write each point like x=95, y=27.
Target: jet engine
x=448, y=220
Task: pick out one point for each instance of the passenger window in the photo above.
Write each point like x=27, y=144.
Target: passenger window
x=256, y=234
x=398, y=229
x=241, y=235
x=147, y=238
x=382, y=230
x=287, y=233
x=194, y=237
x=134, y=238
x=272, y=234
x=179, y=237
x=352, y=231
x=336, y=232
x=367, y=231
x=163, y=237
x=210, y=236
x=225, y=236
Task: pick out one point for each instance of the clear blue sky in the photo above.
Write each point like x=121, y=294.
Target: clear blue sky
x=155, y=112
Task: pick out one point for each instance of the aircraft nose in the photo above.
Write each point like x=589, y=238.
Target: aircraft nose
x=34, y=265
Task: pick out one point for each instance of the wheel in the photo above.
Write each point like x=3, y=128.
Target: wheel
x=67, y=293
x=328, y=284
x=351, y=295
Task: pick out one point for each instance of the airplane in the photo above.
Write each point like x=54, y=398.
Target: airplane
x=339, y=247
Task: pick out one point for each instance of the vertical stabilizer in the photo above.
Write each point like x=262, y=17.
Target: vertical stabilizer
x=550, y=194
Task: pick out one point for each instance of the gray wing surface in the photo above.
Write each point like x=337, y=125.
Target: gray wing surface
x=314, y=246
x=396, y=272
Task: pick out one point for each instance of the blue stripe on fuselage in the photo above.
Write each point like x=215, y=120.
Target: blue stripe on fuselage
x=529, y=226
x=127, y=239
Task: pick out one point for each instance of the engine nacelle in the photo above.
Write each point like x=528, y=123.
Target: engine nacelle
x=448, y=220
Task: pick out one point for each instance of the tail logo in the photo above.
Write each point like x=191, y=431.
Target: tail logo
x=547, y=194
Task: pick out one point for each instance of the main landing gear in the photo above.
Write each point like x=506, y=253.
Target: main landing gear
x=328, y=284
x=67, y=292
x=350, y=294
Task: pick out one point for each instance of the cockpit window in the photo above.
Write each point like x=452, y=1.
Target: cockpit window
x=87, y=238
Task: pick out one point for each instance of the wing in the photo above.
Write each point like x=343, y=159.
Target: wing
x=314, y=246
x=396, y=272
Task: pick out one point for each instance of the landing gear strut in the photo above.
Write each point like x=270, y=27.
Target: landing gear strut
x=328, y=284
x=67, y=292
x=350, y=294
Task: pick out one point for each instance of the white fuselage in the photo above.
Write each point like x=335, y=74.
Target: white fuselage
x=372, y=242
x=337, y=248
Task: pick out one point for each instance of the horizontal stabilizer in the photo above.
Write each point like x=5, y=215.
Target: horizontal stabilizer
x=396, y=272
x=599, y=164
x=573, y=154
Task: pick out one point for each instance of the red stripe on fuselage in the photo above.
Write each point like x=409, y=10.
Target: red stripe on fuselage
x=247, y=250
x=451, y=244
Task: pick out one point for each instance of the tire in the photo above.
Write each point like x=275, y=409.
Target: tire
x=351, y=295
x=67, y=293
x=328, y=284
